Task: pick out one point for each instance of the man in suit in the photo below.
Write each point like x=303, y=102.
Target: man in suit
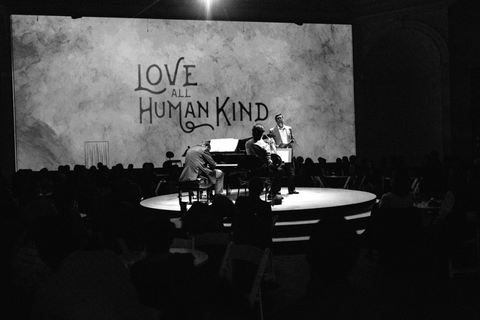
x=283, y=136
x=199, y=163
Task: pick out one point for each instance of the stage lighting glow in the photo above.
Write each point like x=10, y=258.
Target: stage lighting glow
x=208, y=4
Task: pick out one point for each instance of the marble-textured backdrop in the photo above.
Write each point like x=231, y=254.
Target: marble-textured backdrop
x=152, y=86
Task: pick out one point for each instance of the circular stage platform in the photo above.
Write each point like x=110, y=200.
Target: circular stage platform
x=296, y=215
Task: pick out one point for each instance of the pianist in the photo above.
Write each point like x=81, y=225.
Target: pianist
x=199, y=163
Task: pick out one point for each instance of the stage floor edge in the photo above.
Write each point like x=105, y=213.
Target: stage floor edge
x=296, y=215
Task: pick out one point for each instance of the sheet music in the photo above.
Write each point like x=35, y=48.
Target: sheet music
x=223, y=145
x=285, y=154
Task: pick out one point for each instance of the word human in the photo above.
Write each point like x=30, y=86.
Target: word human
x=196, y=110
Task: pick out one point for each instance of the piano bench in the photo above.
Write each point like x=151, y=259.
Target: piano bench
x=198, y=185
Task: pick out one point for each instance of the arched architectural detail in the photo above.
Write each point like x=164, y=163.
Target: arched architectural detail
x=373, y=38
x=385, y=89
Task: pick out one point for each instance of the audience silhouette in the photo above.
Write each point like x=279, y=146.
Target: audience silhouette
x=161, y=277
x=85, y=284
x=97, y=206
x=254, y=223
x=333, y=249
x=202, y=217
x=400, y=195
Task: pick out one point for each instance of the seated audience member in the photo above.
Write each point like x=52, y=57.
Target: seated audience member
x=332, y=253
x=210, y=298
x=147, y=180
x=29, y=272
x=322, y=164
x=334, y=291
x=223, y=208
x=401, y=195
x=118, y=217
x=309, y=171
x=25, y=188
x=254, y=223
x=338, y=171
x=354, y=168
x=460, y=199
x=161, y=277
x=432, y=172
x=85, y=284
x=372, y=177
x=126, y=209
x=10, y=224
x=346, y=166
x=65, y=200
x=198, y=219
x=395, y=225
x=202, y=218
x=299, y=160
x=10, y=230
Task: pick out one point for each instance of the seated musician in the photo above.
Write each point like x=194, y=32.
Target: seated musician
x=199, y=163
x=258, y=147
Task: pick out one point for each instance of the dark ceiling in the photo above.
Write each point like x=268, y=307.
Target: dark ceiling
x=259, y=10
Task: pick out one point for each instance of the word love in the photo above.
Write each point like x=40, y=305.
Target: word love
x=154, y=75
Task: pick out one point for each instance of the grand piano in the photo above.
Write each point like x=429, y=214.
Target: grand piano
x=228, y=155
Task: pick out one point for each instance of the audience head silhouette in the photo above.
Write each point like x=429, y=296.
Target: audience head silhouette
x=158, y=234
x=222, y=206
x=55, y=239
x=401, y=185
x=255, y=186
x=333, y=251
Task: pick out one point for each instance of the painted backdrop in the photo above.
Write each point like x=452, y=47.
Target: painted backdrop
x=145, y=87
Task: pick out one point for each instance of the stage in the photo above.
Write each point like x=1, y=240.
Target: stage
x=296, y=214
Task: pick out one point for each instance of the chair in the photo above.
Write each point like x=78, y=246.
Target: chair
x=270, y=269
x=149, y=313
x=253, y=255
x=317, y=182
x=183, y=243
x=211, y=238
x=199, y=185
x=169, y=173
x=464, y=256
x=338, y=182
x=170, y=163
x=242, y=180
x=214, y=244
x=162, y=178
x=416, y=186
x=250, y=165
x=394, y=233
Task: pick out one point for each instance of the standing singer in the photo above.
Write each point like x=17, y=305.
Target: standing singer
x=283, y=136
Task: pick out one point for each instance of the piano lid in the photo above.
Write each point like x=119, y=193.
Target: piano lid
x=223, y=145
x=228, y=145
x=230, y=157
